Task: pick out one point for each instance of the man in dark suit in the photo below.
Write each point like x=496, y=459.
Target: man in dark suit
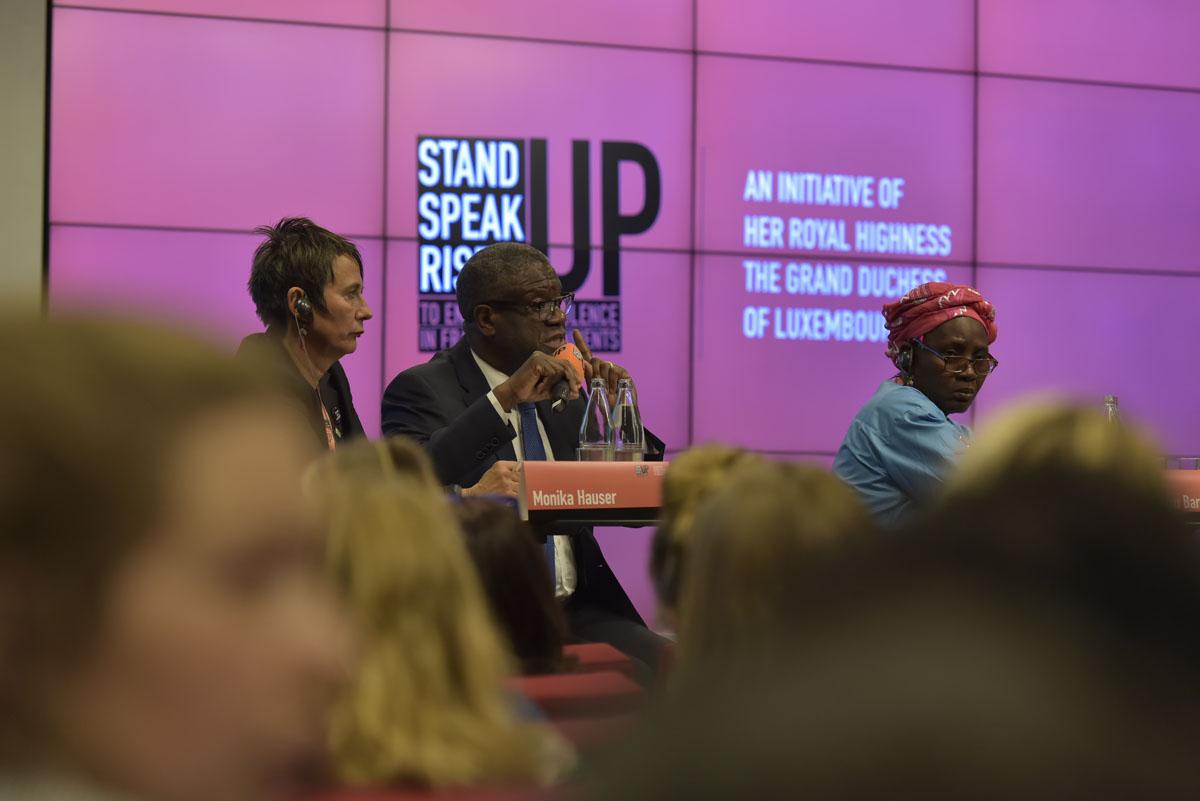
x=307, y=287
x=485, y=403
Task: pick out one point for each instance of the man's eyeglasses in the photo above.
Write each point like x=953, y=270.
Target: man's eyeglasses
x=542, y=309
x=958, y=364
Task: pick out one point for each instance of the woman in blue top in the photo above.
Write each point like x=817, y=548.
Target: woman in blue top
x=900, y=443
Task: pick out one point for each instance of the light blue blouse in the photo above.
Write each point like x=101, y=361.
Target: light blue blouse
x=897, y=450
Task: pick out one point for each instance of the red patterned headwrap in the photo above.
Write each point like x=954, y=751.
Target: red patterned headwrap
x=928, y=306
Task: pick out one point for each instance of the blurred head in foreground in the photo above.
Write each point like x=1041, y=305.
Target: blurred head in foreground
x=1033, y=636
x=691, y=478
x=376, y=460
x=904, y=683
x=1069, y=468
x=513, y=569
x=1055, y=501
x=165, y=628
x=760, y=536
x=427, y=704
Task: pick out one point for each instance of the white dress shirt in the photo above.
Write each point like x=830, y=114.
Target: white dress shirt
x=564, y=559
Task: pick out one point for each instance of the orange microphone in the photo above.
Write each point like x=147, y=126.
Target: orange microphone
x=570, y=354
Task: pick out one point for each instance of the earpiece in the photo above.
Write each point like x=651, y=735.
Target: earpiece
x=302, y=313
x=905, y=360
x=304, y=309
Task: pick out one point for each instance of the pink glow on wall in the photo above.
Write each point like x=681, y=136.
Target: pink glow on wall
x=343, y=12
x=1088, y=335
x=1094, y=176
x=1126, y=41
x=917, y=33
x=202, y=123
x=664, y=23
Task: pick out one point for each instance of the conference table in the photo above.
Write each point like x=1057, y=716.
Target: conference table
x=1185, y=492
x=630, y=493
x=593, y=493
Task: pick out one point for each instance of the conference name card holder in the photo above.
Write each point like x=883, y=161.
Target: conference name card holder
x=1185, y=491
x=596, y=493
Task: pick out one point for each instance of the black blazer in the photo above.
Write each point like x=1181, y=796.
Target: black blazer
x=266, y=351
x=443, y=405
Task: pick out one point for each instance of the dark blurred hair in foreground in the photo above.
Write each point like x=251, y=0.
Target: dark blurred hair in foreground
x=918, y=688
x=1033, y=636
x=88, y=468
x=1056, y=503
x=516, y=581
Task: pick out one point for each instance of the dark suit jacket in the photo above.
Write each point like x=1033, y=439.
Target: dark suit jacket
x=266, y=351
x=443, y=405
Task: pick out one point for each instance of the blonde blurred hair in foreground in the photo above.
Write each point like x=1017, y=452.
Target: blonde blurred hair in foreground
x=691, y=478
x=751, y=543
x=1055, y=494
x=1046, y=437
x=1031, y=635
x=388, y=458
x=427, y=704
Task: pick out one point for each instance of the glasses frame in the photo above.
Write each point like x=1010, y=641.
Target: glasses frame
x=543, y=309
x=990, y=359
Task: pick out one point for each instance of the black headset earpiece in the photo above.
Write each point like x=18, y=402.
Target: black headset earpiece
x=304, y=309
x=905, y=360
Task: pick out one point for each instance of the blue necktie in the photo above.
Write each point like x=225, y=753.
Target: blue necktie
x=531, y=445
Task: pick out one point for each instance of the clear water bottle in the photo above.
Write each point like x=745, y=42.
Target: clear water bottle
x=1111, y=411
x=596, y=432
x=629, y=438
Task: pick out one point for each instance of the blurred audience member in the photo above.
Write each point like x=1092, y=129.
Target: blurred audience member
x=427, y=706
x=752, y=543
x=1033, y=637
x=166, y=630
x=371, y=460
x=1055, y=501
x=513, y=569
x=307, y=287
x=908, y=687
x=691, y=478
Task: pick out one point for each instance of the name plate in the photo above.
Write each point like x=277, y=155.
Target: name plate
x=548, y=487
x=1185, y=487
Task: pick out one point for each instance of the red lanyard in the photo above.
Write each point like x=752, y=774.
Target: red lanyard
x=329, y=437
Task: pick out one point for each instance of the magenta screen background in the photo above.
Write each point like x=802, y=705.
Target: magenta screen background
x=1055, y=137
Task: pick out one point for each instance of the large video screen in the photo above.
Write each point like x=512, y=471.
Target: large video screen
x=200, y=123
x=1150, y=43
x=1091, y=176
x=914, y=33
x=807, y=226
x=733, y=189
